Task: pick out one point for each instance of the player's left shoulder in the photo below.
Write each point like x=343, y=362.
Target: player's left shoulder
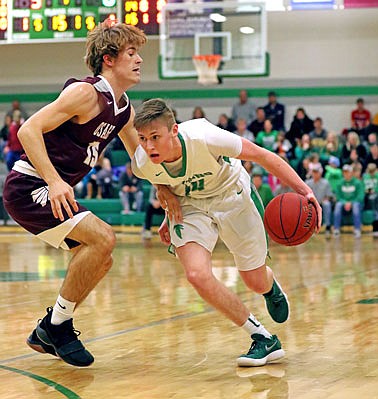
x=195, y=129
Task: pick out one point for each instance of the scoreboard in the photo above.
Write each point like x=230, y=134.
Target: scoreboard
x=28, y=21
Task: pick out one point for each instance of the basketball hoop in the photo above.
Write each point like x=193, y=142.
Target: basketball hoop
x=207, y=67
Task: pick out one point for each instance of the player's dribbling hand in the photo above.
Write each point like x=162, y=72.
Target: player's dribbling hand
x=169, y=203
x=62, y=197
x=311, y=198
x=165, y=237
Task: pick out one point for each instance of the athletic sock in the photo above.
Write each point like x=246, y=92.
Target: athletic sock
x=62, y=310
x=253, y=326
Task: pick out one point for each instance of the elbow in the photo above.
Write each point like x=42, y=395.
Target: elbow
x=21, y=134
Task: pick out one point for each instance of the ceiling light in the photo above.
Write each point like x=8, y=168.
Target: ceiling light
x=217, y=17
x=247, y=30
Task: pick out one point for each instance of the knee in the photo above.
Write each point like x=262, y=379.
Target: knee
x=106, y=241
x=258, y=280
x=198, y=278
x=258, y=286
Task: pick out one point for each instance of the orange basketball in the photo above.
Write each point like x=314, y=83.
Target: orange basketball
x=290, y=219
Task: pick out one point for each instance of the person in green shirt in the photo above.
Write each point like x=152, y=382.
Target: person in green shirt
x=370, y=180
x=267, y=137
x=333, y=173
x=263, y=189
x=332, y=147
x=350, y=195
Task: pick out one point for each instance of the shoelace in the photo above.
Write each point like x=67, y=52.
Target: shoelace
x=254, y=345
x=277, y=299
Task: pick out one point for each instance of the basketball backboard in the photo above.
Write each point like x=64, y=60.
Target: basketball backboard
x=234, y=29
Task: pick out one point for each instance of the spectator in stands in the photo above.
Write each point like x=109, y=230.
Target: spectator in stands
x=262, y=188
x=318, y=136
x=198, y=113
x=357, y=170
x=226, y=123
x=282, y=188
x=360, y=118
x=303, y=148
x=248, y=166
x=267, y=137
x=283, y=147
x=275, y=112
x=370, y=180
x=105, y=180
x=175, y=114
x=372, y=156
x=115, y=145
x=373, y=127
x=243, y=109
x=4, y=133
x=303, y=167
x=371, y=139
x=323, y=193
x=242, y=130
x=257, y=125
x=131, y=191
x=332, y=147
x=18, y=111
x=350, y=196
x=333, y=173
x=153, y=208
x=353, y=150
x=300, y=125
x=13, y=148
x=90, y=180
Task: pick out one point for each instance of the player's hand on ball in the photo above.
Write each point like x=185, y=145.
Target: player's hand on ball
x=165, y=237
x=311, y=198
x=169, y=203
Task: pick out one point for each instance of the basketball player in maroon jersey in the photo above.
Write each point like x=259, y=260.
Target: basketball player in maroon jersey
x=62, y=143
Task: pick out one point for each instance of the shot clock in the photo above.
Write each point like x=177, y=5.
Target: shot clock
x=29, y=21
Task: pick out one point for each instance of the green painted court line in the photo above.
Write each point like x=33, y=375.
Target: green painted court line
x=60, y=388
x=187, y=94
x=368, y=301
x=32, y=276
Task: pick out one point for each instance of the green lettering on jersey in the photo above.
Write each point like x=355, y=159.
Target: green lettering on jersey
x=197, y=185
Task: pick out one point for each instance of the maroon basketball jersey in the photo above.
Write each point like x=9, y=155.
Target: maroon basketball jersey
x=74, y=148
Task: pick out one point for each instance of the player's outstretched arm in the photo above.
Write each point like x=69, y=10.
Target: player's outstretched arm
x=76, y=101
x=129, y=135
x=278, y=167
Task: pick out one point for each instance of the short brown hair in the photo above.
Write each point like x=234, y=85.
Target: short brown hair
x=151, y=110
x=108, y=38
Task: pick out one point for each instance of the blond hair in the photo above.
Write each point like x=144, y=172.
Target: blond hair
x=151, y=110
x=110, y=39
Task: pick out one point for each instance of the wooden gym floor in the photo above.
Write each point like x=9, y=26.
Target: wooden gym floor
x=153, y=337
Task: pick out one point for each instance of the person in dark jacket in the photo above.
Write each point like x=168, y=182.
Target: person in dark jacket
x=300, y=125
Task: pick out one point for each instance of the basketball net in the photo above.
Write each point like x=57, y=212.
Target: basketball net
x=207, y=68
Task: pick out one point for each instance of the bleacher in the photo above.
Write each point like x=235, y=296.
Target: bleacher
x=109, y=210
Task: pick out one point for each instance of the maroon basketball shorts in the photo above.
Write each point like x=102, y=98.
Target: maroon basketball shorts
x=27, y=201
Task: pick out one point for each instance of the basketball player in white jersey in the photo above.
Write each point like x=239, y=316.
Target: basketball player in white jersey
x=197, y=161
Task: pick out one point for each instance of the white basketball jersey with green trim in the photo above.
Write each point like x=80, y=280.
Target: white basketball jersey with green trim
x=208, y=168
